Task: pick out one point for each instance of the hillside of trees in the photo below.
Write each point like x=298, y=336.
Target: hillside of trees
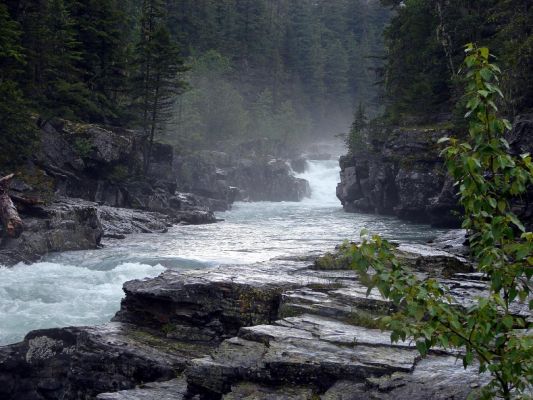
x=425, y=50
x=192, y=73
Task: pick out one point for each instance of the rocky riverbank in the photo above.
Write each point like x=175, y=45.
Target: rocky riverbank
x=284, y=329
x=91, y=183
x=400, y=172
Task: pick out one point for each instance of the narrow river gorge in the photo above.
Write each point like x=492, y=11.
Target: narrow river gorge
x=85, y=287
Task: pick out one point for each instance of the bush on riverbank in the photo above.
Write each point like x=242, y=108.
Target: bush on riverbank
x=489, y=332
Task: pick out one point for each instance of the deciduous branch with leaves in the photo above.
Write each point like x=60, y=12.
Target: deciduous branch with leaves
x=488, y=177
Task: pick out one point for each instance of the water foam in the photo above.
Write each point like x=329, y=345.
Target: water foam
x=323, y=177
x=45, y=295
x=85, y=287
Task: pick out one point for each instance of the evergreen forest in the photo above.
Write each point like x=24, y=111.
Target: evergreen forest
x=191, y=73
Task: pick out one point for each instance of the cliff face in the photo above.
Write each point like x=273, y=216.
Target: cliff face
x=404, y=176
x=88, y=175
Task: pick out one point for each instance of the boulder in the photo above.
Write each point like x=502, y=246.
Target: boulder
x=79, y=363
x=402, y=176
x=64, y=225
x=270, y=180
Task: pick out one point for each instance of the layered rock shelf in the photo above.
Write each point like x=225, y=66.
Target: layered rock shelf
x=400, y=172
x=284, y=329
x=89, y=182
x=75, y=224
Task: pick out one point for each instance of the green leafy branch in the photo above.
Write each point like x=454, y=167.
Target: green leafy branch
x=488, y=178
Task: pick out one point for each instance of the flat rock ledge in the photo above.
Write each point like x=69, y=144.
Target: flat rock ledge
x=276, y=330
x=76, y=224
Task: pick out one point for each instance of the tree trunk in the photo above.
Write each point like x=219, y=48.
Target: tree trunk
x=8, y=212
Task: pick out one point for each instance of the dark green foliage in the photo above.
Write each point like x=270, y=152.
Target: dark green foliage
x=310, y=60
x=417, y=81
x=75, y=57
x=355, y=140
x=106, y=43
x=17, y=132
x=489, y=331
x=424, y=42
x=156, y=76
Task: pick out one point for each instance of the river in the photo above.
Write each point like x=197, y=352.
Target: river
x=85, y=287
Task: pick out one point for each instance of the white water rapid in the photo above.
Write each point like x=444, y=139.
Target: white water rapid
x=85, y=287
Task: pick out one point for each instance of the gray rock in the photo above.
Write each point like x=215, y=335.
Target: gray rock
x=79, y=363
x=434, y=377
x=64, y=225
x=299, y=165
x=402, y=176
x=268, y=181
x=252, y=391
x=170, y=390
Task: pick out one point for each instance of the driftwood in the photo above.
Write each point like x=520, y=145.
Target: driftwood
x=26, y=201
x=8, y=212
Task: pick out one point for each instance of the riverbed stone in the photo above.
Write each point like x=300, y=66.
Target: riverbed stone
x=78, y=363
x=274, y=330
x=253, y=391
x=61, y=226
x=174, y=389
x=210, y=305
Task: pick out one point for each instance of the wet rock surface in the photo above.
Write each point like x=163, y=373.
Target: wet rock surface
x=221, y=176
x=403, y=175
x=276, y=330
x=60, y=226
x=74, y=224
x=169, y=390
x=79, y=363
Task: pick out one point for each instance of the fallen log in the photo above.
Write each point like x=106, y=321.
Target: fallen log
x=26, y=201
x=8, y=212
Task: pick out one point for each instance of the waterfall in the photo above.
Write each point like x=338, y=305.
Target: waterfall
x=323, y=176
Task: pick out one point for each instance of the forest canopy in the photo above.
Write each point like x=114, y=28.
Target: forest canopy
x=425, y=48
x=191, y=72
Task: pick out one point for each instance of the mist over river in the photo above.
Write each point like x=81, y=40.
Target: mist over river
x=85, y=287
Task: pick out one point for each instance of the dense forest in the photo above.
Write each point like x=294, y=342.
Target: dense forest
x=422, y=77
x=425, y=43
x=192, y=73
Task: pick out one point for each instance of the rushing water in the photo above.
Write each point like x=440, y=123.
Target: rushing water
x=85, y=287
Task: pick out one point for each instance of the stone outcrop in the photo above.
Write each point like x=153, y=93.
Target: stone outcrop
x=404, y=175
x=219, y=175
x=79, y=363
x=105, y=165
x=275, y=330
x=75, y=224
x=60, y=226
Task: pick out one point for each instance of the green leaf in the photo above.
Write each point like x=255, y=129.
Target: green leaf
x=517, y=222
x=422, y=347
x=508, y=321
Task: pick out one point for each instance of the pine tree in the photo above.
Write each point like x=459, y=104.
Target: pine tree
x=156, y=82
x=104, y=30
x=16, y=131
x=355, y=140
